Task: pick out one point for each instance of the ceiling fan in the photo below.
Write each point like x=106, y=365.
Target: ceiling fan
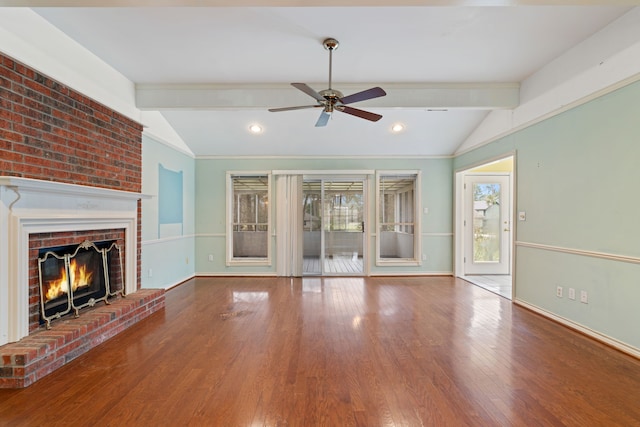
x=331, y=99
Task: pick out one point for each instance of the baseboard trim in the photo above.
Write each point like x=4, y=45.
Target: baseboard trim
x=262, y=274
x=611, y=342
x=416, y=274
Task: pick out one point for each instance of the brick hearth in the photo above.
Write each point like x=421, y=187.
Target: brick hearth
x=24, y=362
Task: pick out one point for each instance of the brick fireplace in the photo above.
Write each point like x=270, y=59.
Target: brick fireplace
x=36, y=214
x=70, y=170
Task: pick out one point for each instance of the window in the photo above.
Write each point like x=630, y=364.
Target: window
x=398, y=237
x=248, y=236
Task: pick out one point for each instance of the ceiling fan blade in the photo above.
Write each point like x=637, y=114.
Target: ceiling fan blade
x=323, y=119
x=359, y=113
x=302, y=107
x=306, y=89
x=374, y=92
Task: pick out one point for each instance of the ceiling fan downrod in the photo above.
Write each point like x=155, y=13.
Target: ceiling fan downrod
x=330, y=45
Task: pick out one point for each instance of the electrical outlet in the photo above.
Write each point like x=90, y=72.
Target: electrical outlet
x=572, y=293
x=150, y=273
x=210, y=257
x=424, y=257
x=559, y=291
x=584, y=297
x=186, y=261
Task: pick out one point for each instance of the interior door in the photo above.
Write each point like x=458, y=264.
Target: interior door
x=487, y=224
x=333, y=226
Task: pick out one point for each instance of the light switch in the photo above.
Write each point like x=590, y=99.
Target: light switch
x=522, y=216
x=425, y=210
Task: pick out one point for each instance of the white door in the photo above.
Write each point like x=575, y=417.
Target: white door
x=487, y=224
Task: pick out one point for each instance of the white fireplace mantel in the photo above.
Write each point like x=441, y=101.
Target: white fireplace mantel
x=30, y=206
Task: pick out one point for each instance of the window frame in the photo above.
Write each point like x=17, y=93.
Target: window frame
x=403, y=226
x=231, y=260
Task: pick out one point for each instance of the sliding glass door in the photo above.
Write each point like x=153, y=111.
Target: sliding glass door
x=333, y=226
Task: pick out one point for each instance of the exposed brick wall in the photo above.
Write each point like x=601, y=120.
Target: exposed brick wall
x=39, y=241
x=51, y=132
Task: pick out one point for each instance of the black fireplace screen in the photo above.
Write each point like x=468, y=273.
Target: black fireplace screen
x=77, y=276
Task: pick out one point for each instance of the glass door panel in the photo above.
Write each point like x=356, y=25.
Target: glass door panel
x=333, y=226
x=343, y=225
x=487, y=225
x=312, y=227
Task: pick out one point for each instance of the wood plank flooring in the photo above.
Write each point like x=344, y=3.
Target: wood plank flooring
x=497, y=283
x=345, y=265
x=385, y=351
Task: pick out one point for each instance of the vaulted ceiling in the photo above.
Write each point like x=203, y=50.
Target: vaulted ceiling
x=214, y=71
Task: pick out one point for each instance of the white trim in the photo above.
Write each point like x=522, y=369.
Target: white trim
x=419, y=273
x=438, y=234
x=231, y=261
x=243, y=274
x=179, y=282
x=155, y=138
x=326, y=157
x=618, y=345
x=592, y=254
x=217, y=235
x=416, y=261
x=481, y=95
x=329, y=173
x=398, y=262
x=167, y=239
x=50, y=187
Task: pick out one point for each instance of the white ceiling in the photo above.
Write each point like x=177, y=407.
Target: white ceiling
x=253, y=49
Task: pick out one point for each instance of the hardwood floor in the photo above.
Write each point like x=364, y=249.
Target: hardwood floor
x=384, y=351
x=497, y=283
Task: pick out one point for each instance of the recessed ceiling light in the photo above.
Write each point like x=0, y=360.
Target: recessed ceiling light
x=255, y=129
x=396, y=128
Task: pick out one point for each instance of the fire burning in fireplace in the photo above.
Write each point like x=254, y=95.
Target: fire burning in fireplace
x=77, y=276
x=80, y=277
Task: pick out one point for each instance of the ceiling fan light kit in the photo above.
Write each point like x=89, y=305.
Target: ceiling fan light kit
x=331, y=100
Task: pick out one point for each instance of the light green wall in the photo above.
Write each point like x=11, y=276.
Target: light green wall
x=577, y=175
x=576, y=178
x=211, y=202
x=170, y=259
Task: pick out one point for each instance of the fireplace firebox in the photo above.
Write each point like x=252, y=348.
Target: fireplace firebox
x=73, y=277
